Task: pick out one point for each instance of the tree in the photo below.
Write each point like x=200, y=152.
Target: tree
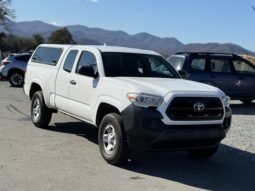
x=61, y=36
x=2, y=36
x=12, y=43
x=37, y=40
x=5, y=9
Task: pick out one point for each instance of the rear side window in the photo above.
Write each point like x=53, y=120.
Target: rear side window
x=220, y=66
x=243, y=67
x=198, y=64
x=23, y=58
x=47, y=55
x=69, y=62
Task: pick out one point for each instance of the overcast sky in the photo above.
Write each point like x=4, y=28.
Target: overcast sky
x=188, y=20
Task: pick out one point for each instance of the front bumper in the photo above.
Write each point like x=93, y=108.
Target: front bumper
x=145, y=129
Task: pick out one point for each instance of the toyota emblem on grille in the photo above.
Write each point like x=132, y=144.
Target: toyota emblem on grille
x=199, y=107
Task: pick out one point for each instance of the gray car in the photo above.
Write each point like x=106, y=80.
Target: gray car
x=13, y=68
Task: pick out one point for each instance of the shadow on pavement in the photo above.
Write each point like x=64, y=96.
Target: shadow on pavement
x=230, y=169
x=78, y=128
x=243, y=109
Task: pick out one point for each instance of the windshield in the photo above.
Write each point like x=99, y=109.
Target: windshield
x=137, y=65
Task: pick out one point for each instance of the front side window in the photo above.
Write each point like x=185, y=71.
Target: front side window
x=47, y=55
x=69, y=62
x=198, y=64
x=86, y=59
x=136, y=65
x=243, y=67
x=220, y=66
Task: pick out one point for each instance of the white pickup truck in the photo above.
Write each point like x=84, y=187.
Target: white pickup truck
x=135, y=98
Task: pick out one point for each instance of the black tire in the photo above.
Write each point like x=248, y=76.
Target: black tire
x=43, y=118
x=246, y=101
x=120, y=151
x=16, y=78
x=204, y=153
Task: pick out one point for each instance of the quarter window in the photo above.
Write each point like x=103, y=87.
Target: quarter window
x=243, y=67
x=69, y=62
x=198, y=64
x=220, y=66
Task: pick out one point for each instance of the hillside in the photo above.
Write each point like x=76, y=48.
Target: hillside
x=86, y=35
x=101, y=36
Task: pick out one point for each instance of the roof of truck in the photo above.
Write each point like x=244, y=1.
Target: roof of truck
x=104, y=48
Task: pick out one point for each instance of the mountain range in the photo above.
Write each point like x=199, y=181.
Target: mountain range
x=95, y=36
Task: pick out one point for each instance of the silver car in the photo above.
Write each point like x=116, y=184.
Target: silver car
x=13, y=68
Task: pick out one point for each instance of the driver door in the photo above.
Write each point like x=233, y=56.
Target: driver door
x=82, y=88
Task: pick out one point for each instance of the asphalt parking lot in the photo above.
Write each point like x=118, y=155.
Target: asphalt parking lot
x=66, y=156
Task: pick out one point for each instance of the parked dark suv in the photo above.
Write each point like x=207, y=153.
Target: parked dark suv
x=229, y=72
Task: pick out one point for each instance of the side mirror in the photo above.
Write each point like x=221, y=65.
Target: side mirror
x=184, y=74
x=88, y=70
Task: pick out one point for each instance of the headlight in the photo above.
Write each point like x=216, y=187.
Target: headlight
x=145, y=100
x=226, y=100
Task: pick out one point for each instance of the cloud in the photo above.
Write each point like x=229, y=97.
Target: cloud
x=54, y=23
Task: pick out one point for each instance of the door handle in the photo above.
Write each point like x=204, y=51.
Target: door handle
x=241, y=78
x=73, y=82
x=213, y=76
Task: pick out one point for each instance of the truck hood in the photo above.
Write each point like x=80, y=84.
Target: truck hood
x=163, y=86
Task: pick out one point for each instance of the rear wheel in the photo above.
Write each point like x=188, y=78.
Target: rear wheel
x=204, y=153
x=246, y=101
x=16, y=79
x=40, y=113
x=112, y=140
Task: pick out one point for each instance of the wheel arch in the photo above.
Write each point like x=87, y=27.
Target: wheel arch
x=34, y=88
x=104, y=109
x=12, y=70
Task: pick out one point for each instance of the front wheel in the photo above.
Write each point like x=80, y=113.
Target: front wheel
x=40, y=113
x=112, y=140
x=204, y=153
